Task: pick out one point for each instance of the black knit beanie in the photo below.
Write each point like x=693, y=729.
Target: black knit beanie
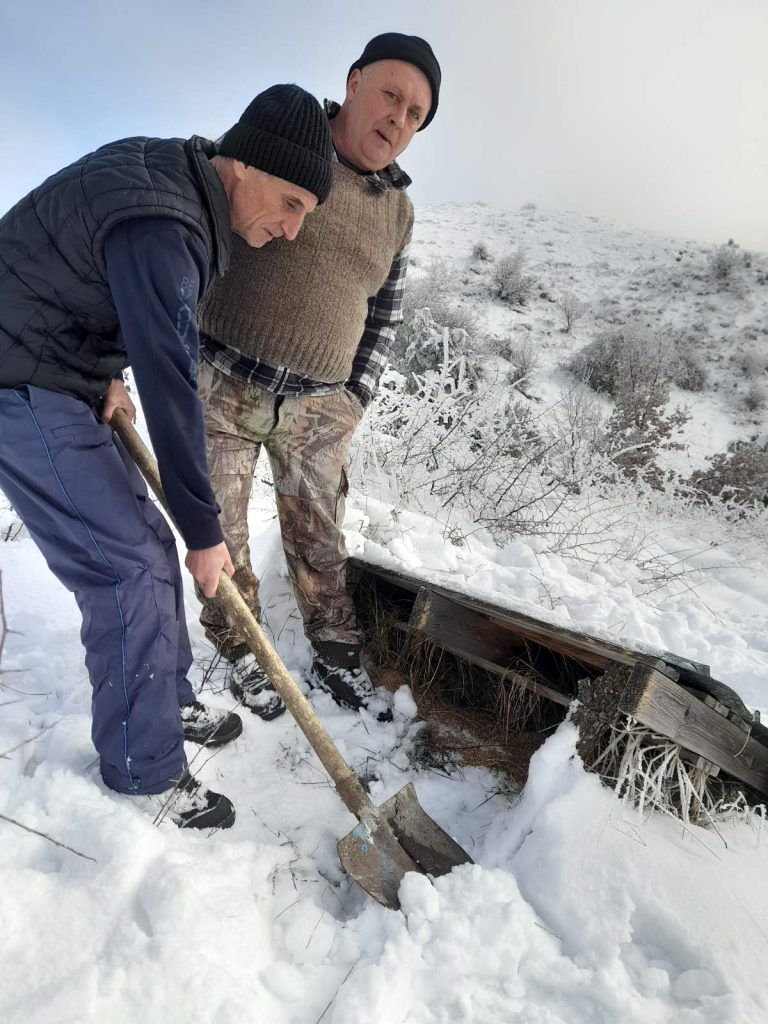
x=411, y=49
x=284, y=132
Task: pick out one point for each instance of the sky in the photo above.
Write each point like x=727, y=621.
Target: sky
x=651, y=114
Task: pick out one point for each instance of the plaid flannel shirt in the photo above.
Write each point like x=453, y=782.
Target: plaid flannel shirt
x=384, y=315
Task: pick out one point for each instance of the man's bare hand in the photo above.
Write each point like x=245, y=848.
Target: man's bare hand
x=206, y=566
x=116, y=397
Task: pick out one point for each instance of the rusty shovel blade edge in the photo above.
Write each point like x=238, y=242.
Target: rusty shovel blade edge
x=403, y=839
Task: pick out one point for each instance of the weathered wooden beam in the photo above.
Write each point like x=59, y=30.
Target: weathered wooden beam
x=454, y=645
x=580, y=647
x=448, y=622
x=673, y=711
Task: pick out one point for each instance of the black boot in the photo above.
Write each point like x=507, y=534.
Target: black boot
x=189, y=804
x=336, y=669
x=208, y=727
x=249, y=685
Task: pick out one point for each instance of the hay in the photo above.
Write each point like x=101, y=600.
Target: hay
x=651, y=773
x=473, y=717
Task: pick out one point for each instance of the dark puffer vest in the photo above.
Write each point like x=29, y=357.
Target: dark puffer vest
x=58, y=325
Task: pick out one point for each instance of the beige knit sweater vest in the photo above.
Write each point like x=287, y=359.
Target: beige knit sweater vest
x=303, y=304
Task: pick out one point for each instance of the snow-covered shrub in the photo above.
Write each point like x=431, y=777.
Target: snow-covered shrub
x=633, y=353
x=524, y=359
x=510, y=281
x=598, y=363
x=756, y=397
x=458, y=449
x=431, y=345
x=633, y=367
x=641, y=427
x=435, y=291
x=738, y=475
x=753, y=366
x=572, y=310
x=579, y=453
x=685, y=365
x=481, y=253
x=723, y=262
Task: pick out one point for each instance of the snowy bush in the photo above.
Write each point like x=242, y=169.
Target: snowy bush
x=524, y=359
x=481, y=253
x=633, y=352
x=434, y=290
x=431, y=346
x=641, y=427
x=579, y=454
x=598, y=363
x=756, y=397
x=633, y=367
x=572, y=310
x=687, y=369
x=723, y=262
x=510, y=281
x=738, y=475
x=753, y=366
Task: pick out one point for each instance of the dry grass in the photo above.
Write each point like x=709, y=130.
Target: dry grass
x=651, y=773
x=472, y=716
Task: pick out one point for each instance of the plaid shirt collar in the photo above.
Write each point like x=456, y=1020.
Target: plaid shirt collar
x=391, y=176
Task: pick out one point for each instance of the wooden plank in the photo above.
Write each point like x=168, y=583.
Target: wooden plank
x=672, y=711
x=452, y=646
x=579, y=646
x=476, y=634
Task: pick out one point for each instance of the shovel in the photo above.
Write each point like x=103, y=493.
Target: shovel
x=388, y=841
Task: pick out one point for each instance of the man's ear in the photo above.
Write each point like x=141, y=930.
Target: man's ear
x=353, y=82
x=239, y=168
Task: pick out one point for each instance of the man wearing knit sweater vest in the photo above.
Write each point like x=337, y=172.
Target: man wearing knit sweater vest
x=294, y=341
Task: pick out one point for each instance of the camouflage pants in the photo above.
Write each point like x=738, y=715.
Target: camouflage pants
x=306, y=439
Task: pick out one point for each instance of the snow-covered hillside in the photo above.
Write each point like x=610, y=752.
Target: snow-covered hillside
x=577, y=911
x=622, y=276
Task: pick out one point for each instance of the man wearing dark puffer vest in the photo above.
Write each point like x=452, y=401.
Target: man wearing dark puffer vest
x=102, y=266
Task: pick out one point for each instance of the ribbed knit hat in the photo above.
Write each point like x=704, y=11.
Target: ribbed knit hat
x=284, y=132
x=411, y=49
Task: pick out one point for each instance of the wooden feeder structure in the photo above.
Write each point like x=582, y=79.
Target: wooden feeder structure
x=670, y=695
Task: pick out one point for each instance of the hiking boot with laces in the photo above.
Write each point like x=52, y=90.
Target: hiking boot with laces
x=336, y=669
x=250, y=686
x=189, y=804
x=208, y=726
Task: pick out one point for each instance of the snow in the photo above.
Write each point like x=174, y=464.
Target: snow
x=575, y=911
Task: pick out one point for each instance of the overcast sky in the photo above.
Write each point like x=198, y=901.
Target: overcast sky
x=644, y=112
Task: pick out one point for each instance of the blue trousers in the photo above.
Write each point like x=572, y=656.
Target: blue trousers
x=87, y=509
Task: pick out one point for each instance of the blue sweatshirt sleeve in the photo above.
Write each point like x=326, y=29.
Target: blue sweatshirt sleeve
x=157, y=270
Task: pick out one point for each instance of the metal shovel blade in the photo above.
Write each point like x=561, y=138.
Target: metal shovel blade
x=403, y=839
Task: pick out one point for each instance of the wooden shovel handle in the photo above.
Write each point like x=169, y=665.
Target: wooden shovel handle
x=345, y=780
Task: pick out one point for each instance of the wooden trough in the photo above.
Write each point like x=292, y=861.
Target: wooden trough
x=670, y=695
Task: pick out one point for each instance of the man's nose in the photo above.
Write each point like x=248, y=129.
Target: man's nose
x=291, y=225
x=397, y=117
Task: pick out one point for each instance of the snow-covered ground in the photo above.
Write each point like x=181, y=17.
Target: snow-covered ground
x=575, y=912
